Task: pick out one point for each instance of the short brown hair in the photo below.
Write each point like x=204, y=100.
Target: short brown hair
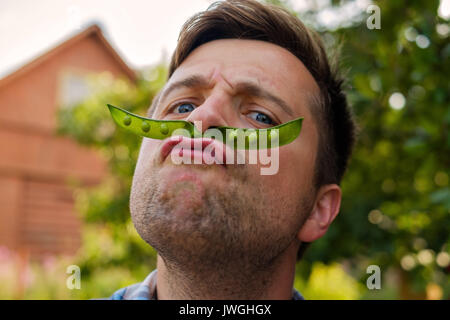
x=251, y=20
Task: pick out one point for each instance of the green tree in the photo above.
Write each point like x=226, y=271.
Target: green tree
x=112, y=255
x=396, y=199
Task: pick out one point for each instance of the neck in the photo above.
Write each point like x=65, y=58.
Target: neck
x=232, y=282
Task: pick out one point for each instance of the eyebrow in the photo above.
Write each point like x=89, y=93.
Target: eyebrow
x=194, y=81
x=258, y=92
x=246, y=87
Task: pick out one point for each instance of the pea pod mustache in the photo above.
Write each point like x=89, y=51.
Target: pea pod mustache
x=239, y=138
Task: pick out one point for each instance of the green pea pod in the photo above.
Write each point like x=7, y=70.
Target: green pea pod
x=240, y=138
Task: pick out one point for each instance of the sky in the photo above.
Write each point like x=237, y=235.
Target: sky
x=142, y=31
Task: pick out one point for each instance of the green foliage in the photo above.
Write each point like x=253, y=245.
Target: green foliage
x=395, y=193
x=111, y=245
x=329, y=283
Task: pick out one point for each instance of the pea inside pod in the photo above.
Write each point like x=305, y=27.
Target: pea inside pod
x=240, y=138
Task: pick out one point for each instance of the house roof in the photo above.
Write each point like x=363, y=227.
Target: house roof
x=92, y=30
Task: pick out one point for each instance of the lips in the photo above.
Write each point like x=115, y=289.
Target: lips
x=195, y=148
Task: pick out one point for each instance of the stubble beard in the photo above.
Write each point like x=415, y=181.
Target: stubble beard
x=235, y=231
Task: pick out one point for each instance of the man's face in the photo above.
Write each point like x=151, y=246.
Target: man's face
x=216, y=213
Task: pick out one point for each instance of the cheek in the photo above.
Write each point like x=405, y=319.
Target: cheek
x=296, y=170
x=287, y=190
x=149, y=145
x=301, y=158
x=147, y=152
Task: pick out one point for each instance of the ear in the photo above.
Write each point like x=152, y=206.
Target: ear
x=326, y=208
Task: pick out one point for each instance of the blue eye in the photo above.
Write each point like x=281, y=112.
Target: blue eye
x=261, y=117
x=184, y=108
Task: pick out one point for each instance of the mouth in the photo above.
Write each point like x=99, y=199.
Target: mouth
x=195, y=150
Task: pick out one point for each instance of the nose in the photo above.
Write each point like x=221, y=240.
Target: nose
x=212, y=113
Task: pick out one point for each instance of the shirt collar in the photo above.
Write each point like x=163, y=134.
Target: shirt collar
x=146, y=290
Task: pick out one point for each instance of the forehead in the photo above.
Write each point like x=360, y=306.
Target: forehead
x=266, y=64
